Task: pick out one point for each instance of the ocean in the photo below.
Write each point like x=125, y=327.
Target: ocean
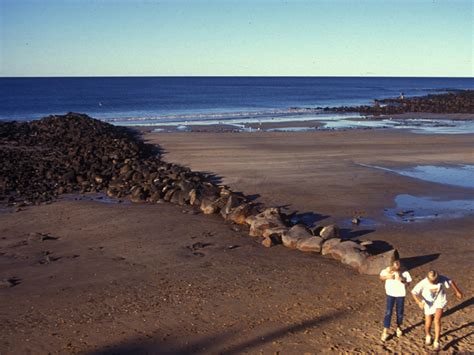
x=153, y=100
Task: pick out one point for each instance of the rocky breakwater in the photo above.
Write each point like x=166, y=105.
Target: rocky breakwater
x=460, y=101
x=43, y=159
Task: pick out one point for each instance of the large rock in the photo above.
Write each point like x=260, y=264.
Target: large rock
x=270, y=218
x=376, y=263
x=311, y=244
x=233, y=201
x=276, y=232
x=239, y=214
x=329, y=232
x=296, y=233
x=209, y=206
x=272, y=240
x=328, y=245
x=348, y=252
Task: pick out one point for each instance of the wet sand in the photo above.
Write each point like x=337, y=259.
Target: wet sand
x=150, y=278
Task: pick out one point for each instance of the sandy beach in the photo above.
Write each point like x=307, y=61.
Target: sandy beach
x=139, y=278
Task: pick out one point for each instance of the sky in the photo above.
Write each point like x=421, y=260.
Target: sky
x=236, y=38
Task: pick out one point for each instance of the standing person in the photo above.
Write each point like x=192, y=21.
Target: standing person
x=395, y=280
x=430, y=295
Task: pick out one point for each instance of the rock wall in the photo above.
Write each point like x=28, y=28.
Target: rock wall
x=74, y=153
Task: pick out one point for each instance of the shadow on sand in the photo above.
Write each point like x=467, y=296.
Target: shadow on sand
x=467, y=303
x=417, y=261
x=212, y=344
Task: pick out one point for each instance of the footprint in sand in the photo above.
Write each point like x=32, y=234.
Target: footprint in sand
x=198, y=246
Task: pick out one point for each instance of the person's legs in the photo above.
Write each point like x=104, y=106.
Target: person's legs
x=428, y=321
x=400, y=309
x=387, y=317
x=437, y=325
x=388, y=312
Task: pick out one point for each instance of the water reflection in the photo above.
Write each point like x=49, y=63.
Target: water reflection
x=457, y=175
x=411, y=208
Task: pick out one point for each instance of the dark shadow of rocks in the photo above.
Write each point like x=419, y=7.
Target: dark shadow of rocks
x=211, y=177
x=351, y=234
x=417, y=261
x=379, y=247
x=309, y=219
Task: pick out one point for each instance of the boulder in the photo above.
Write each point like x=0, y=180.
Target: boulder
x=329, y=244
x=239, y=214
x=270, y=218
x=208, y=206
x=329, y=232
x=296, y=233
x=258, y=226
x=316, y=230
x=233, y=201
x=271, y=240
x=276, y=231
x=169, y=193
x=373, y=264
x=311, y=244
x=194, y=200
x=250, y=219
x=348, y=252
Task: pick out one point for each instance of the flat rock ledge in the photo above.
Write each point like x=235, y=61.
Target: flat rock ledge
x=75, y=153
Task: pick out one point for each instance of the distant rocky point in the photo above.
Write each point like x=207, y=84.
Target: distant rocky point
x=458, y=101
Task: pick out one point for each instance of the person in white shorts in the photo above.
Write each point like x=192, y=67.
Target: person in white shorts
x=395, y=280
x=430, y=295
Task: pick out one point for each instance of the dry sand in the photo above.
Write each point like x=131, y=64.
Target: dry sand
x=152, y=279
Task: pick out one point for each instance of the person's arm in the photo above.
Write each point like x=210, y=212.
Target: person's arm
x=456, y=289
x=386, y=275
x=418, y=300
x=416, y=292
x=405, y=278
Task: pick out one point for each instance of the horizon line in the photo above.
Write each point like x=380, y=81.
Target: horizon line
x=233, y=76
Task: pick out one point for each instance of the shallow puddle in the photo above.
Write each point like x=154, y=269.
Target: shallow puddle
x=364, y=222
x=411, y=208
x=291, y=129
x=96, y=197
x=457, y=175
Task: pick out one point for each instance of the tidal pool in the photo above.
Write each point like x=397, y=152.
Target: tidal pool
x=94, y=196
x=456, y=175
x=411, y=208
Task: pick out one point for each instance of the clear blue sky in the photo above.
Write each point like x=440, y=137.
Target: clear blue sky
x=261, y=37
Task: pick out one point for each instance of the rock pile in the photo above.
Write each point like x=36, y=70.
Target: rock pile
x=75, y=153
x=461, y=101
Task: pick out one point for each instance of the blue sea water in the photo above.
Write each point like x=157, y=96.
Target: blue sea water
x=166, y=99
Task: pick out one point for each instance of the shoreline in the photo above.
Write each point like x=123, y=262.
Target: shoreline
x=107, y=278
x=439, y=120
x=142, y=277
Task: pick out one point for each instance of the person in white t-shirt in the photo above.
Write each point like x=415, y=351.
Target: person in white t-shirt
x=395, y=280
x=430, y=295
